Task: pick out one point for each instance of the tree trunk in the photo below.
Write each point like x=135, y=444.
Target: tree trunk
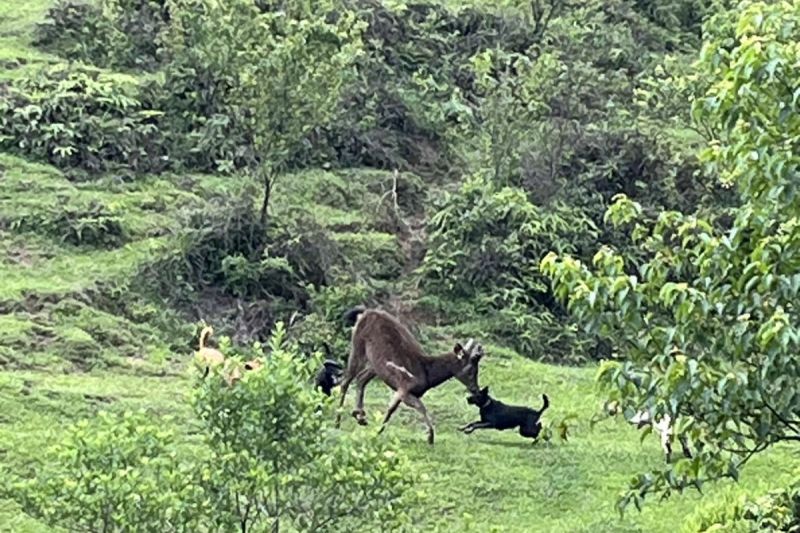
x=267, y=194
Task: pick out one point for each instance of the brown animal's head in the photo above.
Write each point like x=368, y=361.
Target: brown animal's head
x=469, y=357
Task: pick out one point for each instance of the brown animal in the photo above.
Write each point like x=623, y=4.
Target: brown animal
x=209, y=357
x=382, y=347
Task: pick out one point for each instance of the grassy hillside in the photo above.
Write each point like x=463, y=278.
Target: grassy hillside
x=85, y=326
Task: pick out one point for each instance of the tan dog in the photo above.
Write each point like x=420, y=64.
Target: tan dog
x=208, y=357
x=205, y=356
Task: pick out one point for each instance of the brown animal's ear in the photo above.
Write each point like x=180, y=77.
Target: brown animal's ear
x=458, y=350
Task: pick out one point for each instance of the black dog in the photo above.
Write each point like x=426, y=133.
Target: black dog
x=497, y=415
x=329, y=374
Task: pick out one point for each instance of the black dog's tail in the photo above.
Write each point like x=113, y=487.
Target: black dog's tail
x=546, y=403
x=327, y=349
x=351, y=315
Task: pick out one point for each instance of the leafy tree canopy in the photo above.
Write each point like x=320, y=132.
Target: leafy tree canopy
x=706, y=328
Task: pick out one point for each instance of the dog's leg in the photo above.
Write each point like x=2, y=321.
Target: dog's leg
x=685, y=445
x=348, y=378
x=530, y=428
x=468, y=426
x=477, y=425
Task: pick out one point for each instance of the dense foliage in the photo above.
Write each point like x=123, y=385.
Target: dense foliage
x=705, y=328
x=74, y=117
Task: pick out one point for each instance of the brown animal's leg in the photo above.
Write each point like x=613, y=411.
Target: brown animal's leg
x=416, y=403
x=345, y=385
x=366, y=375
x=394, y=403
x=685, y=445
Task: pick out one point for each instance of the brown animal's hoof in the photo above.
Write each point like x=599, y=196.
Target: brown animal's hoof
x=430, y=439
x=360, y=416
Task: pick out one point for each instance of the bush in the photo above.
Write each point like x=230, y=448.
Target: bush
x=115, y=473
x=487, y=240
x=76, y=30
x=274, y=458
x=75, y=117
x=414, y=85
x=93, y=224
x=779, y=510
x=267, y=457
x=113, y=34
x=484, y=248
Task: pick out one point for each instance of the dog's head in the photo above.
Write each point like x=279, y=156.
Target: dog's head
x=479, y=398
x=253, y=364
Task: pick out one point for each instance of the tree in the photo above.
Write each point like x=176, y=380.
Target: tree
x=279, y=71
x=512, y=86
x=706, y=328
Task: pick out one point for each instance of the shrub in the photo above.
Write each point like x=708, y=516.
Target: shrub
x=484, y=248
x=115, y=473
x=112, y=33
x=274, y=459
x=93, y=224
x=489, y=240
x=77, y=30
x=779, y=510
x=75, y=117
x=267, y=458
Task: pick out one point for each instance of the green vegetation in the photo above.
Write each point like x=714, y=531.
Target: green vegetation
x=169, y=164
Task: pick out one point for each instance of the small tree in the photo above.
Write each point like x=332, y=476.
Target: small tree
x=707, y=329
x=280, y=71
x=276, y=463
x=513, y=88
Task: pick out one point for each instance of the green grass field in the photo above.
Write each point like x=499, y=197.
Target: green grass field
x=487, y=481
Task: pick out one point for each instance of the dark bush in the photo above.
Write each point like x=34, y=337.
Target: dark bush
x=75, y=117
x=92, y=224
x=415, y=85
x=484, y=250
x=76, y=30
x=113, y=33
